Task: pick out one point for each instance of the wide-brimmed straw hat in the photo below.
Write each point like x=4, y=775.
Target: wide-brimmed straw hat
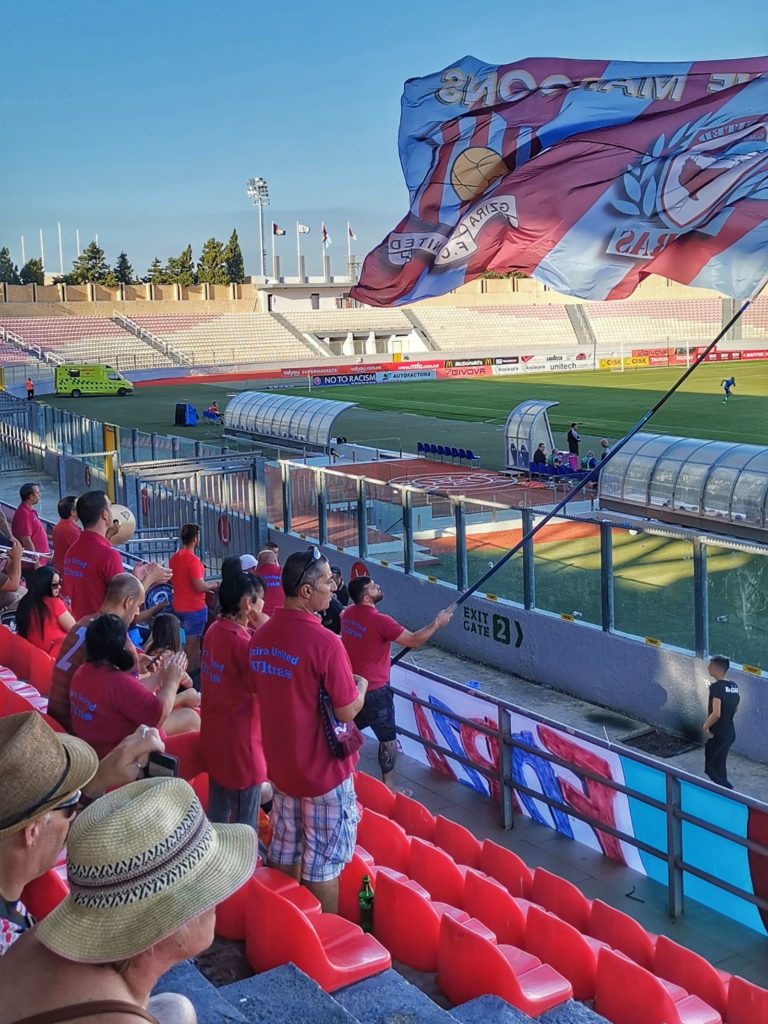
x=142, y=861
x=39, y=769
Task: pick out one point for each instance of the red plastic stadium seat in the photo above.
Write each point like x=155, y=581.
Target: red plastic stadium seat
x=559, y=944
x=200, y=783
x=470, y=964
x=489, y=902
x=627, y=993
x=506, y=867
x=374, y=794
x=414, y=817
x=12, y=703
x=232, y=915
x=437, y=872
x=563, y=898
x=406, y=920
x=186, y=746
x=289, y=888
x=695, y=974
x=44, y=894
x=385, y=840
x=351, y=881
x=747, y=1003
x=329, y=949
x=457, y=841
x=622, y=932
x=25, y=660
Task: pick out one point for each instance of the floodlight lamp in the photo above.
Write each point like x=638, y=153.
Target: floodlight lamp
x=258, y=190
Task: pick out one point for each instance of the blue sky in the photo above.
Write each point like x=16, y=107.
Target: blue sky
x=142, y=122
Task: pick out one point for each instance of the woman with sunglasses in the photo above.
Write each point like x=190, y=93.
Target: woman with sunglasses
x=42, y=617
x=230, y=732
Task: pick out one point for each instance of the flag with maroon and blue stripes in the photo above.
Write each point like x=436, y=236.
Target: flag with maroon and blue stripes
x=587, y=175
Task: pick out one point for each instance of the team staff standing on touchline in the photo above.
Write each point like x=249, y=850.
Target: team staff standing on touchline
x=367, y=636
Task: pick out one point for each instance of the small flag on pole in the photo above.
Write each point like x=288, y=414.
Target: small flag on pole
x=277, y=230
x=352, y=234
x=325, y=236
x=302, y=229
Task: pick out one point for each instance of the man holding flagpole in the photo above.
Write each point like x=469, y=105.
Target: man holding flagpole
x=301, y=229
x=277, y=231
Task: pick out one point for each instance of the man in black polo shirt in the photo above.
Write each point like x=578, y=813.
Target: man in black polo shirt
x=723, y=702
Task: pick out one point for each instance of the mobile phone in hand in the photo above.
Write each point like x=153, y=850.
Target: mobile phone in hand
x=161, y=766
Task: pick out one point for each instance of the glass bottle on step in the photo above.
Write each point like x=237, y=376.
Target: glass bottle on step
x=365, y=900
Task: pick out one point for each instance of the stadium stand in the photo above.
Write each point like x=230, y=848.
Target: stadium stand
x=754, y=321
x=497, y=327
x=85, y=339
x=12, y=355
x=649, y=321
x=236, y=337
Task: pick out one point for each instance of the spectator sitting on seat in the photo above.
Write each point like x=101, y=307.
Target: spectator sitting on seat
x=66, y=531
x=604, y=447
x=165, y=639
x=268, y=567
x=10, y=578
x=588, y=461
x=46, y=776
x=554, y=459
x=146, y=870
x=107, y=701
x=540, y=455
x=42, y=617
x=213, y=411
x=91, y=562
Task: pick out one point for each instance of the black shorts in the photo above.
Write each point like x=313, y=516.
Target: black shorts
x=379, y=713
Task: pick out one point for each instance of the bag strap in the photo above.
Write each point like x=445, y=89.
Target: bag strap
x=76, y=1010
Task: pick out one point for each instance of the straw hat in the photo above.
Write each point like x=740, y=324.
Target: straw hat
x=141, y=861
x=39, y=769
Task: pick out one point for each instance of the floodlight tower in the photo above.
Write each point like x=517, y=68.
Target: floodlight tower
x=258, y=191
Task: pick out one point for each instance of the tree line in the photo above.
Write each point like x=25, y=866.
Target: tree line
x=219, y=263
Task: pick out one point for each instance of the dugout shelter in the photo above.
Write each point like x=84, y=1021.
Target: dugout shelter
x=289, y=420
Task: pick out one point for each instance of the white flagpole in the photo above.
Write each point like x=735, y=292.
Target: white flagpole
x=298, y=253
x=23, y=255
x=42, y=249
x=349, y=252
x=61, y=250
x=322, y=250
x=274, y=269
x=77, y=240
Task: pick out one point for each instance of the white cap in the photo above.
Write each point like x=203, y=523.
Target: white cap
x=247, y=562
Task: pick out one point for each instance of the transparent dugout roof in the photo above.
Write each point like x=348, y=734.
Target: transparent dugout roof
x=527, y=426
x=288, y=417
x=712, y=479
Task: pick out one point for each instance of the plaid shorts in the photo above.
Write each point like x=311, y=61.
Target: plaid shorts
x=319, y=831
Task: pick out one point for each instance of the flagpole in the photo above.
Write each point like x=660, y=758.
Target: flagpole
x=298, y=253
x=322, y=250
x=274, y=268
x=349, y=253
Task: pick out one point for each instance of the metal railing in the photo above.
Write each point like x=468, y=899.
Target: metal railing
x=153, y=340
x=675, y=817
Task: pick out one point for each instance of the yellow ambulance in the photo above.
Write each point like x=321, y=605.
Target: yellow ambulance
x=77, y=379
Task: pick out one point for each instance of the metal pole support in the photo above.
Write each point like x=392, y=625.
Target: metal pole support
x=674, y=849
x=700, y=600
x=407, y=503
x=322, y=507
x=607, y=607
x=460, y=524
x=287, y=516
x=506, y=818
x=362, y=520
x=529, y=570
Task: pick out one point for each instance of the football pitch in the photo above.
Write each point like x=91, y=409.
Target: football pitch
x=472, y=413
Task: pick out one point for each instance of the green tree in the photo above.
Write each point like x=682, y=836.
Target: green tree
x=157, y=273
x=234, y=259
x=181, y=268
x=32, y=272
x=212, y=267
x=9, y=272
x=123, y=271
x=90, y=266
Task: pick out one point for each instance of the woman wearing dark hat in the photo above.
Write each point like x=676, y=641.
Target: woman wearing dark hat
x=107, y=943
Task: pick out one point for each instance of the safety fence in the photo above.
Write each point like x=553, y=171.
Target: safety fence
x=685, y=833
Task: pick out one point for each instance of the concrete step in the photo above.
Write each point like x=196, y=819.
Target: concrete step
x=388, y=998
x=489, y=1010
x=212, y=1008
x=284, y=995
x=571, y=1013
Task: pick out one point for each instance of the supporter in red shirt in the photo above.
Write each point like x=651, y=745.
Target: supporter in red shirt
x=230, y=731
x=107, y=701
x=66, y=531
x=27, y=528
x=42, y=617
x=91, y=562
x=314, y=813
x=367, y=636
x=189, y=590
x=269, y=570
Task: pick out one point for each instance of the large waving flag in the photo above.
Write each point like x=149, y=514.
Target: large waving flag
x=586, y=175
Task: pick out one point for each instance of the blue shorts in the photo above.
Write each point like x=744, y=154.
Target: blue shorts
x=318, y=831
x=193, y=623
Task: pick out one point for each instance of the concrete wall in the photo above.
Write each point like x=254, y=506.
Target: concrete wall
x=663, y=687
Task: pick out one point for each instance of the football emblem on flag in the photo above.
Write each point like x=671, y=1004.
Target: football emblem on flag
x=475, y=170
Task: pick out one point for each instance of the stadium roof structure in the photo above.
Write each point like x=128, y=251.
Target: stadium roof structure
x=527, y=426
x=306, y=422
x=708, y=485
